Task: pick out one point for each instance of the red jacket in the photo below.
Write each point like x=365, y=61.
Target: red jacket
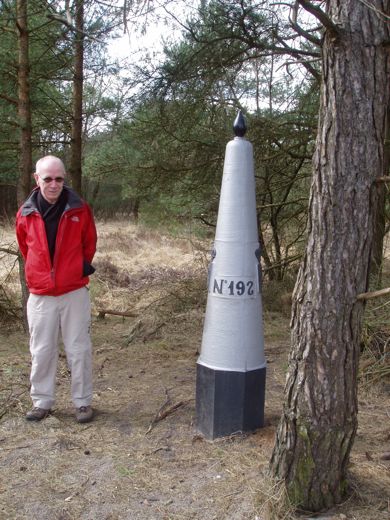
x=75, y=246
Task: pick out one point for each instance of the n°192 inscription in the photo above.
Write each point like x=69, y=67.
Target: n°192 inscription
x=233, y=287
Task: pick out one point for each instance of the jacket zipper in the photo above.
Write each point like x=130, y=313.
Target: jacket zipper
x=60, y=234
x=47, y=244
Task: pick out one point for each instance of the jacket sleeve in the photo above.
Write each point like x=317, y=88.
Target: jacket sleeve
x=21, y=235
x=89, y=235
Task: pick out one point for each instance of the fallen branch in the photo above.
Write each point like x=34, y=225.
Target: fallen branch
x=134, y=331
x=18, y=447
x=102, y=366
x=153, y=331
x=202, y=219
x=162, y=448
x=102, y=313
x=163, y=414
x=383, y=179
x=164, y=411
x=373, y=294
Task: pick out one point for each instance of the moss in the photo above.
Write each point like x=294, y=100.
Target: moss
x=299, y=486
x=300, y=489
x=344, y=487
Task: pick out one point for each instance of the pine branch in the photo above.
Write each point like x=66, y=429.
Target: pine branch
x=297, y=28
x=9, y=99
x=320, y=15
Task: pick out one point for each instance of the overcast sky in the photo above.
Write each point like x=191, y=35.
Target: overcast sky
x=162, y=24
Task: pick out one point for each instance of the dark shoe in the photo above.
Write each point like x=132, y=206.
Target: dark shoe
x=37, y=414
x=84, y=414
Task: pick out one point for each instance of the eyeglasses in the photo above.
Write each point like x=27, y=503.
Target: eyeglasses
x=48, y=180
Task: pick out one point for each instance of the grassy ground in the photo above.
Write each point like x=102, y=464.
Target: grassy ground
x=142, y=457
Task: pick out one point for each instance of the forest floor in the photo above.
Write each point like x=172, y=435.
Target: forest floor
x=142, y=458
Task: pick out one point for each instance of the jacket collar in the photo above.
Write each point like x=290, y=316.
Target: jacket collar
x=30, y=205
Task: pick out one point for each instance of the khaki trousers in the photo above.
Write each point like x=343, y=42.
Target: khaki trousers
x=69, y=313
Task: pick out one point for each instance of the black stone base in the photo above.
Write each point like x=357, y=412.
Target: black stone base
x=229, y=402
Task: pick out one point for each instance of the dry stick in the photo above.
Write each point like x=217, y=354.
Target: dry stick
x=155, y=420
x=102, y=366
x=103, y=312
x=164, y=411
x=163, y=414
x=134, y=331
x=9, y=251
x=17, y=447
x=383, y=179
x=166, y=448
x=152, y=332
x=232, y=494
x=373, y=294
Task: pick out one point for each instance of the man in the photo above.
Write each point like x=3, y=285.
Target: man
x=57, y=238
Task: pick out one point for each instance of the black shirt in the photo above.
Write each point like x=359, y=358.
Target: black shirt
x=51, y=214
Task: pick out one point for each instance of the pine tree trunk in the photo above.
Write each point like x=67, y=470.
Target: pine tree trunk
x=77, y=108
x=25, y=291
x=25, y=140
x=24, y=103
x=380, y=215
x=319, y=421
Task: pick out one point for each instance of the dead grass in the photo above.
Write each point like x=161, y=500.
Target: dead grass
x=375, y=358
x=124, y=244
x=10, y=311
x=128, y=465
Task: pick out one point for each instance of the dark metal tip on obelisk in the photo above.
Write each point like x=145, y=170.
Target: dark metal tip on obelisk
x=239, y=125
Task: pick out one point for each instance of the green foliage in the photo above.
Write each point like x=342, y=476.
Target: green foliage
x=218, y=43
x=180, y=125
x=169, y=165
x=168, y=152
x=51, y=54
x=8, y=89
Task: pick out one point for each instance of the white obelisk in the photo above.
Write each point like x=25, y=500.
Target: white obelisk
x=231, y=369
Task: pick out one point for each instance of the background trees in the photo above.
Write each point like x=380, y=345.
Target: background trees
x=231, y=55
x=48, y=69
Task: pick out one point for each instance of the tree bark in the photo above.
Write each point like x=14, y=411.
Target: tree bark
x=24, y=103
x=25, y=140
x=77, y=104
x=264, y=252
x=319, y=420
x=380, y=214
x=25, y=291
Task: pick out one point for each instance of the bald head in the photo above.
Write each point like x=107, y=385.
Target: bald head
x=49, y=161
